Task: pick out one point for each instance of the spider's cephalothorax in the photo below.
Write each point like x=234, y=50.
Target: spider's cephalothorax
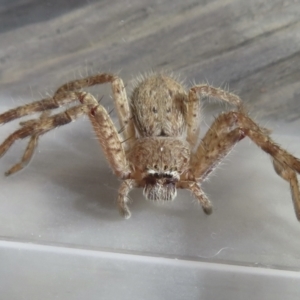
x=158, y=148
x=160, y=161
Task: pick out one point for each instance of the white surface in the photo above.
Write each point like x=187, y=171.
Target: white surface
x=67, y=198
x=45, y=272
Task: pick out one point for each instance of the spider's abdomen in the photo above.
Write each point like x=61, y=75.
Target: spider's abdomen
x=158, y=107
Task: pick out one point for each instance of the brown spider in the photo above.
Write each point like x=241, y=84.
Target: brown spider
x=160, y=126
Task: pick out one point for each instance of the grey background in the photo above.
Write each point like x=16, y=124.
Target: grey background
x=65, y=199
x=251, y=48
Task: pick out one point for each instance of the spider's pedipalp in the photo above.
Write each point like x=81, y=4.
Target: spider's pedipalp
x=125, y=187
x=199, y=194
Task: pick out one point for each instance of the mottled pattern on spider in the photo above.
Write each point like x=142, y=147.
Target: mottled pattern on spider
x=160, y=127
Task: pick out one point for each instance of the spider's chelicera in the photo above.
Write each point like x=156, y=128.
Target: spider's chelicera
x=157, y=148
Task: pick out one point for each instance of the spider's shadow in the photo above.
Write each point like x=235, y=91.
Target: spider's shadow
x=95, y=195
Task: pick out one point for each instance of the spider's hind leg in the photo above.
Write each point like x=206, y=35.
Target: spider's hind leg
x=195, y=95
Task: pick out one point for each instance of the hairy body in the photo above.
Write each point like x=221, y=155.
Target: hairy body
x=157, y=148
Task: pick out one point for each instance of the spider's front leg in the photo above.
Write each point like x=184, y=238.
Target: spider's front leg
x=110, y=141
x=218, y=141
x=67, y=93
x=32, y=144
x=115, y=154
x=225, y=132
x=104, y=128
